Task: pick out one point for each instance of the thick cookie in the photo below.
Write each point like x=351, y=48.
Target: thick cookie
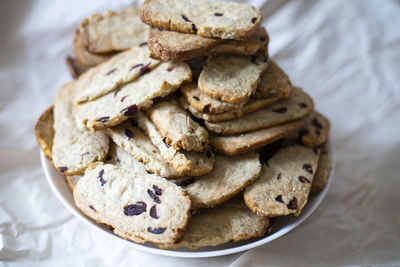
x=232, y=78
x=74, y=148
x=323, y=170
x=136, y=143
x=225, y=20
x=230, y=221
x=296, y=107
x=119, y=70
x=284, y=183
x=242, y=143
x=115, y=107
x=140, y=207
x=119, y=157
x=184, y=162
x=229, y=176
x=178, y=128
x=75, y=67
x=44, y=131
x=113, y=31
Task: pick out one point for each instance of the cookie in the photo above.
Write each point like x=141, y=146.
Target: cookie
x=74, y=148
x=72, y=180
x=115, y=107
x=140, y=207
x=229, y=177
x=178, y=128
x=296, y=107
x=323, y=170
x=232, y=78
x=119, y=157
x=176, y=46
x=44, y=131
x=113, y=31
x=75, y=67
x=119, y=70
x=230, y=221
x=224, y=20
x=184, y=162
x=242, y=143
x=284, y=183
x=137, y=144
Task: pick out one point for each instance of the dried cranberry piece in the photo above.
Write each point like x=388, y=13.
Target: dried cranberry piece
x=143, y=44
x=186, y=18
x=153, y=212
x=154, y=196
x=123, y=98
x=145, y=69
x=254, y=60
x=218, y=14
x=292, y=204
x=206, y=108
x=303, y=105
x=129, y=134
x=156, y=100
x=63, y=169
x=304, y=179
x=280, y=110
x=194, y=28
x=308, y=168
x=111, y=71
x=316, y=123
x=135, y=66
x=302, y=132
x=253, y=20
x=279, y=176
x=196, y=98
x=279, y=199
x=130, y=110
x=102, y=181
x=164, y=140
x=186, y=182
x=156, y=231
x=135, y=209
x=157, y=190
x=92, y=208
x=103, y=119
x=170, y=69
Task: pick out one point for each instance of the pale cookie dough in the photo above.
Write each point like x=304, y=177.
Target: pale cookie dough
x=139, y=207
x=231, y=221
x=178, y=128
x=115, y=107
x=44, y=131
x=119, y=157
x=323, y=170
x=296, y=107
x=284, y=183
x=225, y=20
x=242, y=143
x=74, y=148
x=184, y=162
x=232, y=78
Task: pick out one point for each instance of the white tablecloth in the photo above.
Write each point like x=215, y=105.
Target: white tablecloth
x=346, y=54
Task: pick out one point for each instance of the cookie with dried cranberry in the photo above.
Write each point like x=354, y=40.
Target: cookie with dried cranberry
x=119, y=157
x=177, y=127
x=115, y=107
x=243, y=143
x=296, y=107
x=231, y=221
x=44, y=131
x=184, y=162
x=232, y=78
x=323, y=170
x=284, y=183
x=224, y=20
x=74, y=147
x=140, y=207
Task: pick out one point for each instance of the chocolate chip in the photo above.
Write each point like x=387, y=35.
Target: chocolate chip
x=253, y=20
x=157, y=190
x=196, y=98
x=111, y=71
x=170, y=69
x=304, y=179
x=63, y=169
x=154, y=196
x=280, y=110
x=153, y=212
x=316, y=123
x=279, y=199
x=103, y=119
x=92, y=208
x=143, y=44
x=279, y=176
x=164, y=140
x=292, y=204
x=194, y=28
x=308, y=168
x=135, y=66
x=102, y=181
x=318, y=132
x=145, y=69
x=130, y=110
x=135, y=209
x=218, y=14
x=186, y=182
x=303, y=105
x=156, y=100
x=254, y=60
x=186, y=18
x=156, y=231
x=123, y=98
x=263, y=39
x=206, y=108
x=129, y=134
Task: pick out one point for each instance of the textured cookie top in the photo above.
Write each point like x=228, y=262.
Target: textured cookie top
x=225, y=20
x=44, y=131
x=139, y=207
x=119, y=157
x=284, y=183
x=178, y=128
x=113, y=31
x=232, y=78
x=74, y=148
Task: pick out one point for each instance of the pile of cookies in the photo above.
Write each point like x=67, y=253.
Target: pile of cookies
x=180, y=130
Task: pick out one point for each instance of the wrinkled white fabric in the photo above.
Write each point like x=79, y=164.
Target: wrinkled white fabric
x=346, y=54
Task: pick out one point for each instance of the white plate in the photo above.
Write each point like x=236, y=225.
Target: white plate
x=281, y=225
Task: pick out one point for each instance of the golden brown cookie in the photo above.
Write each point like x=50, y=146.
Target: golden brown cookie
x=44, y=131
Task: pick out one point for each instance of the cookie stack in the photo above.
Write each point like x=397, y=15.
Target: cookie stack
x=191, y=136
